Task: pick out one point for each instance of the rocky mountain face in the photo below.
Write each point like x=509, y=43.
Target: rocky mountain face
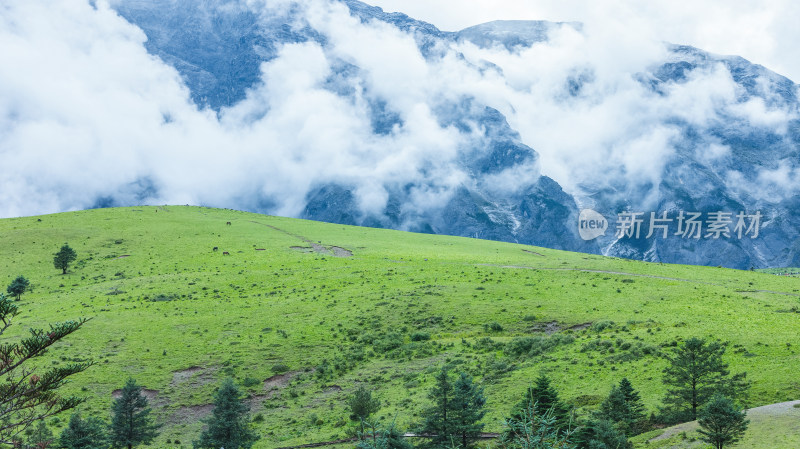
x=727, y=162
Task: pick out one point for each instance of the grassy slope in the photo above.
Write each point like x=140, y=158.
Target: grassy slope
x=243, y=314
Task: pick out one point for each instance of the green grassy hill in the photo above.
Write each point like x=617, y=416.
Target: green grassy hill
x=300, y=312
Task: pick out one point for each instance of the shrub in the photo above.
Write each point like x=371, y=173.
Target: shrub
x=420, y=336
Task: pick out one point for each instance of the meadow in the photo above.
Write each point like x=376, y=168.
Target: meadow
x=300, y=313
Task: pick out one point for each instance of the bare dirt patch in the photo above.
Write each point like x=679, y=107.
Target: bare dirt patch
x=341, y=252
x=279, y=380
x=196, y=376
x=191, y=413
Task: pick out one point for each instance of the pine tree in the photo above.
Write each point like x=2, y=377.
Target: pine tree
x=84, y=434
x=695, y=373
x=633, y=400
x=229, y=425
x=721, y=423
x=457, y=409
x=131, y=424
x=467, y=410
x=437, y=420
x=623, y=408
x=532, y=430
x=41, y=437
x=33, y=394
x=362, y=406
x=64, y=257
x=544, y=398
x=600, y=434
x=18, y=286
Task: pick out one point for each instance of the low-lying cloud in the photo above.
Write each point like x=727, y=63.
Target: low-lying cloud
x=88, y=117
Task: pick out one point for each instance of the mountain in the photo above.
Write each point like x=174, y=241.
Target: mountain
x=727, y=132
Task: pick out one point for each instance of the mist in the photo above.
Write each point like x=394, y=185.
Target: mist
x=89, y=118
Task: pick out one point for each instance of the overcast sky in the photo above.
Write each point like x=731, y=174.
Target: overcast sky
x=763, y=31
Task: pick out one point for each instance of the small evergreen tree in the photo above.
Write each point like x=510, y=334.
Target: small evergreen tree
x=388, y=438
x=362, y=406
x=544, y=397
x=457, y=408
x=695, y=373
x=721, y=423
x=131, y=424
x=623, y=407
x=86, y=433
x=530, y=429
x=18, y=286
x=229, y=425
x=600, y=434
x=634, y=401
x=64, y=257
x=41, y=437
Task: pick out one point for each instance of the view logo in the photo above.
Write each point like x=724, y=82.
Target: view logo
x=591, y=224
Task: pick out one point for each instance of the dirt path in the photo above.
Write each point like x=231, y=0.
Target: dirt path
x=335, y=251
x=764, y=412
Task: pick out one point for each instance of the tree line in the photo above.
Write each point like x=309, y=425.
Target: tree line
x=698, y=386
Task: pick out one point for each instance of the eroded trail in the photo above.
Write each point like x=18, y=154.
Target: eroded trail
x=316, y=247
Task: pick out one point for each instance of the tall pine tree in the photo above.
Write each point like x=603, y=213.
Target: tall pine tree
x=695, y=373
x=467, y=410
x=131, y=424
x=229, y=425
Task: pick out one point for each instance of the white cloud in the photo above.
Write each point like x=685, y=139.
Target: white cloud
x=86, y=112
x=765, y=32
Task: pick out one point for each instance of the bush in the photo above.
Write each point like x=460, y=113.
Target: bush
x=279, y=368
x=600, y=326
x=493, y=327
x=535, y=346
x=420, y=336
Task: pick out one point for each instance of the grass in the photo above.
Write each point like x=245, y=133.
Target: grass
x=178, y=316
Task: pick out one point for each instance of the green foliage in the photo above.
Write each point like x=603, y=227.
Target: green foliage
x=543, y=398
x=64, y=257
x=536, y=346
x=529, y=429
x=457, y=409
x=131, y=424
x=695, y=373
x=18, y=286
x=601, y=434
x=41, y=436
x=420, y=336
x=362, y=405
x=387, y=438
x=29, y=397
x=89, y=433
x=623, y=407
x=721, y=422
x=229, y=425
